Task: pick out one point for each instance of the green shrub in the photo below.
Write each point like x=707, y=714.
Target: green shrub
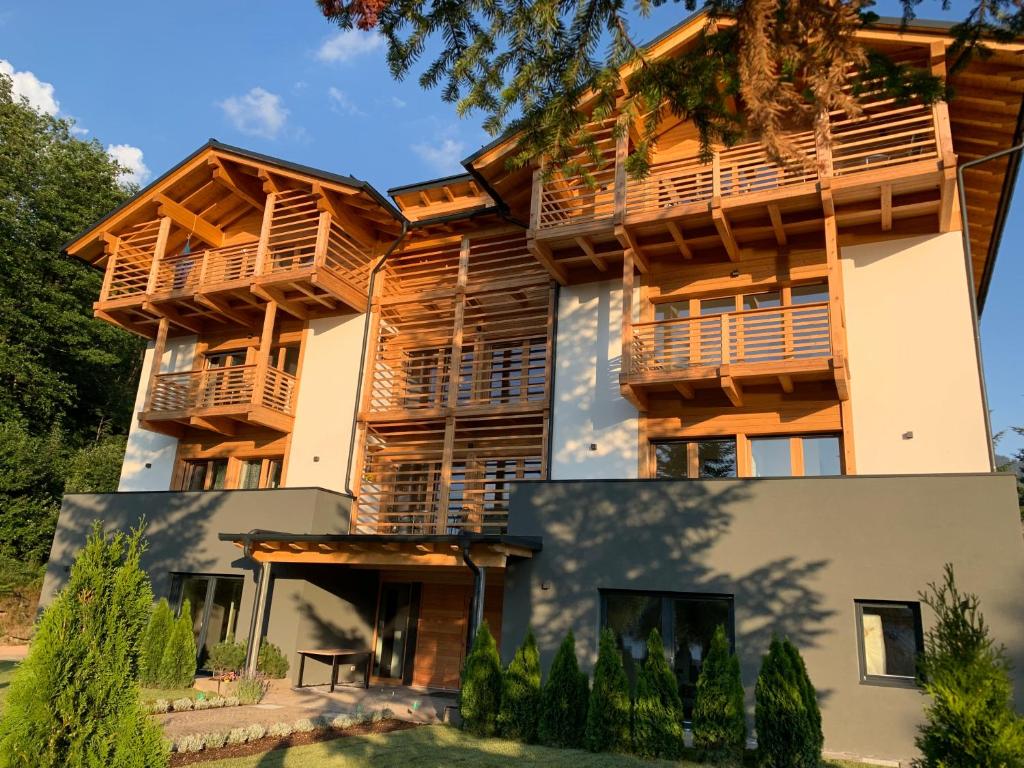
x=970, y=720
x=788, y=731
x=74, y=701
x=657, y=710
x=178, y=664
x=480, y=697
x=161, y=619
x=520, y=693
x=270, y=662
x=719, y=721
x=228, y=656
x=250, y=690
x=563, y=700
x=608, y=712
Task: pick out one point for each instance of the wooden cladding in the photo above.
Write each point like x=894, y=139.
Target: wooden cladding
x=455, y=406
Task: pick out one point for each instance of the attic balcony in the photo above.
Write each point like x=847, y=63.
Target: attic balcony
x=894, y=161
x=221, y=399
x=730, y=350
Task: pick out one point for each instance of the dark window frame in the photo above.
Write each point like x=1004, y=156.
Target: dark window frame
x=887, y=681
x=175, y=597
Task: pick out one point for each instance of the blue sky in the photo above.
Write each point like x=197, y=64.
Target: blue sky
x=153, y=81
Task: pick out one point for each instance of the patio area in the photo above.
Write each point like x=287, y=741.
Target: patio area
x=286, y=704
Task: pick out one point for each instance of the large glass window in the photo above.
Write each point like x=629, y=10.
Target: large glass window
x=821, y=455
x=205, y=475
x=695, y=459
x=890, y=639
x=214, y=602
x=686, y=623
x=770, y=457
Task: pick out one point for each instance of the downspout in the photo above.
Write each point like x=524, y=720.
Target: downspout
x=362, y=357
x=476, y=611
x=969, y=262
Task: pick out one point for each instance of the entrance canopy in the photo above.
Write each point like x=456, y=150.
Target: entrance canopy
x=374, y=551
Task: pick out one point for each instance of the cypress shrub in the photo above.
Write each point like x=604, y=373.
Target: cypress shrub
x=74, y=701
x=563, y=701
x=970, y=720
x=657, y=710
x=178, y=665
x=719, y=722
x=270, y=661
x=808, y=695
x=520, y=693
x=480, y=696
x=786, y=732
x=608, y=713
x=154, y=640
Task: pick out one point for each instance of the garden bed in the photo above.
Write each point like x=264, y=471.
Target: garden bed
x=270, y=743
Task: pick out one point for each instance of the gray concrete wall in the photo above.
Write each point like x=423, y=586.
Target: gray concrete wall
x=795, y=553
x=182, y=531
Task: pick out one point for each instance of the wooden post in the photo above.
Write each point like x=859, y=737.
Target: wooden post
x=716, y=179
x=263, y=355
x=621, y=153
x=724, y=342
x=158, y=253
x=836, y=321
x=108, y=275
x=158, y=354
x=536, y=193
x=627, y=312
x=263, y=246
x=323, y=231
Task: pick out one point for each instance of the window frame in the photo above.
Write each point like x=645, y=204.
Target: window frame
x=693, y=462
x=176, y=595
x=887, y=681
x=235, y=466
x=744, y=453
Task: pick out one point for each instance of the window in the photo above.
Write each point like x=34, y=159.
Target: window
x=889, y=639
x=225, y=359
x=695, y=459
x=260, y=473
x=425, y=377
x=214, y=602
x=821, y=455
x=770, y=457
x=686, y=623
x=285, y=359
x=205, y=475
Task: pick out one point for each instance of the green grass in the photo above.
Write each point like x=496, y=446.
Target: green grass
x=6, y=673
x=152, y=694
x=438, y=746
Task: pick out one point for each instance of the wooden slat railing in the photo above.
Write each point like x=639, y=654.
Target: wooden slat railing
x=218, y=387
x=750, y=336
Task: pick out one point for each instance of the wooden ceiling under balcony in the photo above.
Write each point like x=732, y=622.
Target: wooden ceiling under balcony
x=214, y=239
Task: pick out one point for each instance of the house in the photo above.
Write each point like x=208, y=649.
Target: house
x=731, y=393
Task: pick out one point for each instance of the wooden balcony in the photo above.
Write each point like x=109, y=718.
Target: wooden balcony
x=893, y=162
x=729, y=350
x=219, y=399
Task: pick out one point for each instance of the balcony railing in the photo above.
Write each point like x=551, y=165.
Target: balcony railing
x=883, y=137
x=666, y=348
x=222, y=388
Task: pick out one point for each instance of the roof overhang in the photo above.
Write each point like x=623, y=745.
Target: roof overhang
x=384, y=550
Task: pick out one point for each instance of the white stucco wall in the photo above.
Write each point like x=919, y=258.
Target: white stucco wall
x=327, y=392
x=152, y=448
x=912, y=359
x=588, y=408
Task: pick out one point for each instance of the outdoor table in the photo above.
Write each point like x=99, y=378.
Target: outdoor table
x=335, y=655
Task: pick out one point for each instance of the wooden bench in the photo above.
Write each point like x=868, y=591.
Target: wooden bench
x=335, y=655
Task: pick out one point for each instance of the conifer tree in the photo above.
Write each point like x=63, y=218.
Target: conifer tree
x=154, y=640
x=480, y=696
x=657, y=710
x=178, y=663
x=719, y=721
x=970, y=720
x=520, y=693
x=788, y=734
x=563, y=706
x=608, y=712
x=74, y=701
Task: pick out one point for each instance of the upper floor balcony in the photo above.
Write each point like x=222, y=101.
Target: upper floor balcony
x=894, y=160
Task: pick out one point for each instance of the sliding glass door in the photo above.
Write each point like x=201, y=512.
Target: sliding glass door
x=214, y=602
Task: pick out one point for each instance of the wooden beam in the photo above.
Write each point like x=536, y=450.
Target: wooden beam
x=269, y=293
x=684, y=389
x=725, y=232
x=786, y=382
x=349, y=223
x=271, y=185
x=162, y=311
x=732, y=390
x=190, y=221
x=628, y=241
x=239, y=184
x=542, y=252
x=948, y=202
x=158, y=253
x=777, y=226
x=157, y=360
x=677, y=234
x=219, y=305
x=213, y=424
x=588, y=248
x=886, y=207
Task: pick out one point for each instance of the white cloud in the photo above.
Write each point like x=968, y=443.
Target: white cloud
x=397, y=103
x=27, y=85
x=349, y=44
x=340, y=102
x=130, y=159
x=443, y=155
x=258, y=112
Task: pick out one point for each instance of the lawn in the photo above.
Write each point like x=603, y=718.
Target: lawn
x=6, y=673
x=152, y=694
x=437, y=746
